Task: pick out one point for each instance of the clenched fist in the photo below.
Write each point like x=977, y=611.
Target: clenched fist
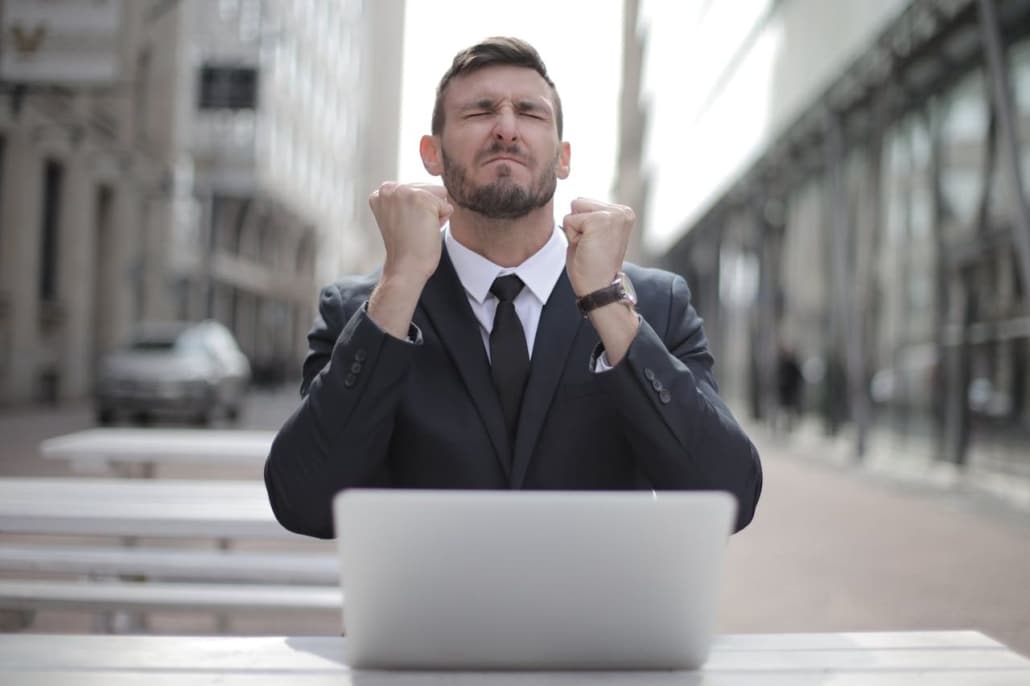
x=410, y=217
x=598, y=235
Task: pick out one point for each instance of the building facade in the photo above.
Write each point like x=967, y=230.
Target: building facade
x=845, y=184
x=218, y=168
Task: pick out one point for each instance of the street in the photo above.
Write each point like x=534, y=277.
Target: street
x=832, y=548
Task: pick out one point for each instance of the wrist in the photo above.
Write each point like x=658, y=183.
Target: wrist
x=617, y=326
x=616, y=291
x=585, y=287
x=414, y=265
x=392, y=303
x=402, y=280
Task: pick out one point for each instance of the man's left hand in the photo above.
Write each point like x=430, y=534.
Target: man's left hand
x=598, y=235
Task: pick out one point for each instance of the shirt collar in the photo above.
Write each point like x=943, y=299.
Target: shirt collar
x=539, y=272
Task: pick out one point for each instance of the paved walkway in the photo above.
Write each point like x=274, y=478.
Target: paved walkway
x=832, y=548
x=836, y=548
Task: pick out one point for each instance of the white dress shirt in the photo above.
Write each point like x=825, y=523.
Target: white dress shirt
x=539, y=273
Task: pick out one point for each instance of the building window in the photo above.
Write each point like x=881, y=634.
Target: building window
x=228, y=87
x=141, y=94
x=53, y=178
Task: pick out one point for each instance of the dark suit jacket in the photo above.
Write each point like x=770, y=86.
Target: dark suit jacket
x=381, y=412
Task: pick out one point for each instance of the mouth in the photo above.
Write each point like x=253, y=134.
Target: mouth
x=505, y=158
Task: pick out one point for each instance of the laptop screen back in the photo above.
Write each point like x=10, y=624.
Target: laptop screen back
x=530, y=580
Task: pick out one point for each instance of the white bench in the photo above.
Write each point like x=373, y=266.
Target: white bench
x=172, y=564
x=126, y=596
x=139, y=451
x=129, y=578
x=216, y=582
x=144, y=508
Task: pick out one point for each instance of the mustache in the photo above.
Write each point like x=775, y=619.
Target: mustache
x=497, y=148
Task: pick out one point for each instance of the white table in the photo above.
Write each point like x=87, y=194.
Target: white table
x=103, y=449
x=220, y=509
x=958, y=658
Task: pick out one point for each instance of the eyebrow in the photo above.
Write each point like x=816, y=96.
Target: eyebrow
x=522, y=105
x=530, y=106
x=480, y=104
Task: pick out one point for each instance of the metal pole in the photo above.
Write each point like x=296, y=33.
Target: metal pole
x=768, y=266
x=845, y=287
x=941, y=384
x=1002, y=91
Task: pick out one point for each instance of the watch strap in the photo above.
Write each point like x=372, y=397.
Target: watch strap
x=601, y=297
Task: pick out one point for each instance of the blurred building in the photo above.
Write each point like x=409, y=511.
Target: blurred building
x=184, y=159
x=843, y=183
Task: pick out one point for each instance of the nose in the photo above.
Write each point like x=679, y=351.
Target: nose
x=506, y=128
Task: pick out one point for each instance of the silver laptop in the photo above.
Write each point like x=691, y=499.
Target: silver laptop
x=530, y=580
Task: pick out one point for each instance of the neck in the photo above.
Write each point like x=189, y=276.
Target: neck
x=506, y=242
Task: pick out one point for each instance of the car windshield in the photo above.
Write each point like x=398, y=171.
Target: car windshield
x=168, y=339
x=152, y=344
x=190, y=341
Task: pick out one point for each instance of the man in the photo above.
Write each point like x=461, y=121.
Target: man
x=436, y=372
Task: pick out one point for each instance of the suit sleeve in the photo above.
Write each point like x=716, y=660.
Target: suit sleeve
x=682, y=433
x=339, y=435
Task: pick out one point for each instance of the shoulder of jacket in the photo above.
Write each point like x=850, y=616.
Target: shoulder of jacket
x=350, y=288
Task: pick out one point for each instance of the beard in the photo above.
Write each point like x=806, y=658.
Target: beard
x=502, y=198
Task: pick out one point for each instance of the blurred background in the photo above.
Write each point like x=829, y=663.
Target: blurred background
x=843, y=183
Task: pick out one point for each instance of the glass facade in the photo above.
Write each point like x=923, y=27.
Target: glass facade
x=893, y=269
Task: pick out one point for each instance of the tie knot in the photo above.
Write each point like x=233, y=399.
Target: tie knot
x=506, y=287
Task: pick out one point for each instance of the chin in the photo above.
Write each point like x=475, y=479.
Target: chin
x=506, y=176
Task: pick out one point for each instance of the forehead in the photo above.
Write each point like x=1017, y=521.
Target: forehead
x=498, y=82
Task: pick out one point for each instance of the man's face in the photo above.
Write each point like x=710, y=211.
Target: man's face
x=499, y=146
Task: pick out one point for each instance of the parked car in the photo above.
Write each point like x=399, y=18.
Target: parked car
x=193, y=370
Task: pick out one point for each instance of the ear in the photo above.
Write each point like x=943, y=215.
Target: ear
x=432, y=154
x=563, y=165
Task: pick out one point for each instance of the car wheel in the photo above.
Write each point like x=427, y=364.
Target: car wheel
x=203, y=417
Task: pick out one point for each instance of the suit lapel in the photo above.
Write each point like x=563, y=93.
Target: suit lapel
x=560, y=321
x=445, y=304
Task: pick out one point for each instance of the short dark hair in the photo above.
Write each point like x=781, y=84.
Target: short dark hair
x=498, y=50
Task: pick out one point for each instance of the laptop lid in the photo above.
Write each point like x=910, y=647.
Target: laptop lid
x=530, y=579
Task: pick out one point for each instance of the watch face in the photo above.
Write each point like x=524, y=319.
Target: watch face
x=627, y=287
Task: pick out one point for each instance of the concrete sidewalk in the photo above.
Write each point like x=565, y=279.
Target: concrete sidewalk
x=840, y=548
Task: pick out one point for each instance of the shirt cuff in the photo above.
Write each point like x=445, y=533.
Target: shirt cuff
x=599, y=360
x=414, y=333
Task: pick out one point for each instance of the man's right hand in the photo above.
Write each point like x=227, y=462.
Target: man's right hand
x=409, y=217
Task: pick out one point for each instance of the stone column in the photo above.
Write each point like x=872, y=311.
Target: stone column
x=21, y=219
x=121, y=284
x=77, y=260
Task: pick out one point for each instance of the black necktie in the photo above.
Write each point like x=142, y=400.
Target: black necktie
x=509, y=356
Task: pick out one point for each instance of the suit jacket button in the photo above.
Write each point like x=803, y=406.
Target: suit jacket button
x=360, y=355
x=657, y=384
x=648, y=374
x=664, y=396
x=356, y=368
x=350, y=380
